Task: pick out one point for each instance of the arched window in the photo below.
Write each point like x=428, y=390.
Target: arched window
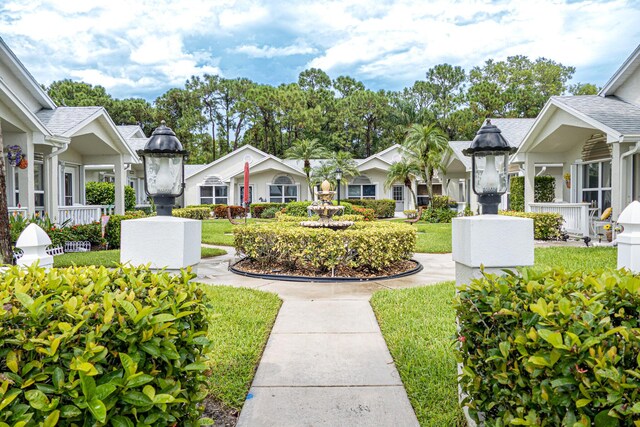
x=283, y=190
x=361, y=188
x=214, y=191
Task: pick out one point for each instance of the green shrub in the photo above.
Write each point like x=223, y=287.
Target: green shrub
x=257, y=208
x=544, y=190
x=369, y=246
x=221, y=211
x=383, y=208
x=193, y=213
x=112, y=232
x=410, y=213
x=366, y=213
x=443, y=202
x=439, y=215
x=269, y=212
x=281, y=217
x=104, y=193
x=348, y=207
x=552, y=348
x=93, y=346
x=297, y=208
x=546, y=226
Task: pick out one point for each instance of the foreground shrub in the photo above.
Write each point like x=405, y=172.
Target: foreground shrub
x=93, y=346
x=104, y=193
x=369, y=246
x=383, y=208
x=112, y=232
x=552, y=348
x=439, y=215
x=546, y=226
x=193, y=213
x=258, y=208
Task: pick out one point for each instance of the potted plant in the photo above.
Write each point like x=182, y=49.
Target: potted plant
x=567, y=179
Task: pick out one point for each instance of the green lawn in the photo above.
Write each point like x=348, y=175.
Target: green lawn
x=419, y=325
x=220, y=231
x=109, y=258
x=240, y=323
x=573, y=258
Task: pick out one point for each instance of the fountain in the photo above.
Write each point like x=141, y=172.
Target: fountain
x=326, y=210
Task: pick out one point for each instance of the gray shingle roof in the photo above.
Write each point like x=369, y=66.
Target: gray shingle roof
x=63, y=119
x=192, y=169
x=457, y=147
x=127, y=130
x=612, y=112
x=137, y=143
x=514, y=130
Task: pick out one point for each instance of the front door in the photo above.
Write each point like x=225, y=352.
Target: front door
x=398, y=196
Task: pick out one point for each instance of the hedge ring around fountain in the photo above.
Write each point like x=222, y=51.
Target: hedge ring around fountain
x=326, y=250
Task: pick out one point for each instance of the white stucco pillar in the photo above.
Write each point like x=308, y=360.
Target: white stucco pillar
x=480, y=241
x=629, y=239
x=529, y=181
x=82, y=179
x=232, y=193
x=52, y=180
x=617, y=180
x=120, y=182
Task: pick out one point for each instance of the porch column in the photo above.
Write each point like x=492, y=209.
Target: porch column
x=26, y=176
x=232, y=193
x=51, y=184
x=120, y=180
x=529, y=179
x=82, y=179
x=617, y=181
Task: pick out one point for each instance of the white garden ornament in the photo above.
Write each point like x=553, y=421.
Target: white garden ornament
x=629, y=239
x=34, y=242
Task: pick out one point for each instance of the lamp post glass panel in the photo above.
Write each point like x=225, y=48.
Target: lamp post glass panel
x=338, y=179
x=489, y=153
x=163, y=159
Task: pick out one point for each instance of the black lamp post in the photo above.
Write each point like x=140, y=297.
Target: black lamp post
x=338, y=179
x=163, y=160
x=489, y=154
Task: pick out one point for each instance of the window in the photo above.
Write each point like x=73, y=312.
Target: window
x=596, y=184
x=68, y=189
x=16, y=188
x=398, y=193
x=38, y=185
x=361, y=188
x=283, y=190
x=242, y=194
x=214, y=194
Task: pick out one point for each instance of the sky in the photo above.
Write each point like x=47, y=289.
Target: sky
x=142, y=48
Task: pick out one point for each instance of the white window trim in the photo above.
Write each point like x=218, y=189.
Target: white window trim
x=376, y=197
x=581, y=189
x=213, y=194
x=252, y=192
x=268, y=194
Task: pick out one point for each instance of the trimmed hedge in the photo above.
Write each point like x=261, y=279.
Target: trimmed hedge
x=546, y=226
x=281, y=217
x=368, y=214
x=220, y=211
x=296, y=208
x=383, y=208
x=544, y=190
x=104, y=193
x=94, y=346
x=443, y=202
x=257, y=208
x=551, y=348
x=193, y=213
x=439, y=215
x=112, y=232
x=369, y=246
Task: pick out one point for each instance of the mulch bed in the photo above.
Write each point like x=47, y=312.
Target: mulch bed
x=221, y=415
x=251, y=266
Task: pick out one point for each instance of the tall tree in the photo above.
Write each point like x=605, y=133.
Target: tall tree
x=234, y=110
x=425, y=146
x=5, y=235
x=403, y=171
x=364, y=111
x=306, y=150
x=584, y=89
x=207, y=91
x=344, y=161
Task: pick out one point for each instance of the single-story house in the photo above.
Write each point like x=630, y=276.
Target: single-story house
x=591, y=144
x=59, y=146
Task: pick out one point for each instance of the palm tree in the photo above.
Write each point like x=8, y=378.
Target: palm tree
x=307, y=149
x=425, y=146
x=403, y=171
x=344, y=161
x=326, y=171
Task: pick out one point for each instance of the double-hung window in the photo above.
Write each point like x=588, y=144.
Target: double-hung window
x=283, y=190
x=214, y=194
x=361, y=188
x=596, y=184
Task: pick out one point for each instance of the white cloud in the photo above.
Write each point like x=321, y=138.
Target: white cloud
x=271, y=51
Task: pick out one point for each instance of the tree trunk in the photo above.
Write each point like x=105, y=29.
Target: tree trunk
x=5, y=236
x=413, y=194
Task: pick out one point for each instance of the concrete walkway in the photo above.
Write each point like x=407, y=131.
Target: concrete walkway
x=326, y=362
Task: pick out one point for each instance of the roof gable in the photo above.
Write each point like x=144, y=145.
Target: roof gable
x=514, y=130
x=629, y=68
x=228, y=163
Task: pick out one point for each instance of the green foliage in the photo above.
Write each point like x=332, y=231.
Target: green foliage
x=516, y=194
x=104, y=193
x=297, y=208
x=221, y=211
x=366, y=213
x=551, y=348
x=257, y=208
x=282, y=217
x=57, y=233
x=546, y=226
x=576, y=258
x=193, y=213
x=94, y=346
x=411, y=213
x=417, y=325
x=383, y=208
x=270, y=212
x=544, y=188
x=442, y=215
x=442, y=202
x=369, y=246
x=112, y=232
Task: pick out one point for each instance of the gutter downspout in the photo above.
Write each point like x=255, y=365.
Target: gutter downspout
x=623, y=164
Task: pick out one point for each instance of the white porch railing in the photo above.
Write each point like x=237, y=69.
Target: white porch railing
x=576, y=215
x=19, y=211
x=83, y=214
